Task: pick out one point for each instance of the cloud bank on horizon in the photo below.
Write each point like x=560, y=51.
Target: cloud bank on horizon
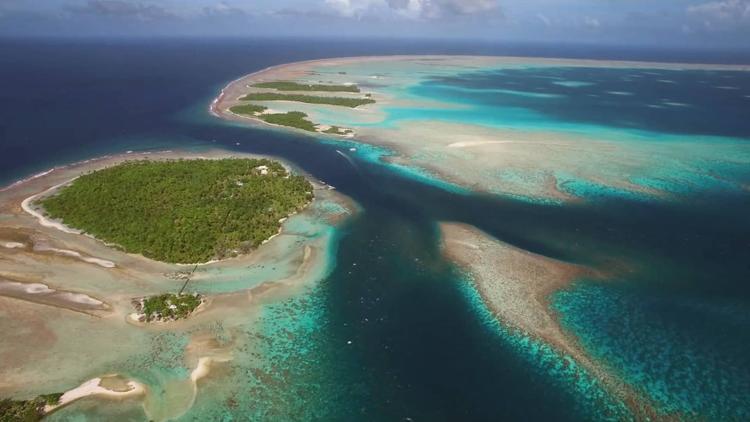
x=657, y=22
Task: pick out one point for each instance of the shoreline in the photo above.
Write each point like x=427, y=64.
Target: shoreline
x=497, y=160
x=127, y=388
x=93, y=387
x=287, y=69
x=113, y=160
x=56, y=283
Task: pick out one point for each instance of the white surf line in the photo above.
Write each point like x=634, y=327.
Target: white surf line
x=212, y=107
x=92, y=388
x=35, y=176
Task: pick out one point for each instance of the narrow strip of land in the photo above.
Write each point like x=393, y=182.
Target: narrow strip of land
x=295, y=86
x=307, y=99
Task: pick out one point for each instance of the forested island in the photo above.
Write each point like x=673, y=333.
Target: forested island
x=182, y=211
x=295, y=119
x=308, y=99
x=166, y=307
x=295, y=86
x=298, y=119
x=27, y=410
x=335, y=130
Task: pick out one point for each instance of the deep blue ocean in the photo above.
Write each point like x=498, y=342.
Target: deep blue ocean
x=677, y=327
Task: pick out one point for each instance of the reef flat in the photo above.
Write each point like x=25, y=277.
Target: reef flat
x=565, y=136
x=525, y=127
x=516, y=286
x=515, y=283
x=69, y=296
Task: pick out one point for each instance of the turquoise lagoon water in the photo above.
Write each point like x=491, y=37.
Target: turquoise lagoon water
x=391, y=331
x=686, y=354
x=685, y=131
x=659, y=334
x=690, y=125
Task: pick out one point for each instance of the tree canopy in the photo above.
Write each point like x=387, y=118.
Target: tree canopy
x=182, y=211
x=309, y=99
x=296, y=86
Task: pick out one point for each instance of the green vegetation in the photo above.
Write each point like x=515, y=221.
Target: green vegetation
x=169, y=306
x=51, y=399
x=295, y=119
x=26, y=410
x=250, y=109
x=182, y=210
x=335, y=130
x=294, y=86
x=21, y=410
x=309, y=99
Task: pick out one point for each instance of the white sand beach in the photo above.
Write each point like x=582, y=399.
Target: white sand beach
x=93, y=387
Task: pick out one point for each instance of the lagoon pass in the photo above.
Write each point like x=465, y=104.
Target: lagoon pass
x=566, y=134
x=508, y=238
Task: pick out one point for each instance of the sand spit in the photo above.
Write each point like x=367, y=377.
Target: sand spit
x=41, y=247
x=202, y=369
x=43, y=294
x=94, y=387
x=26, y=204
x=13, y=245
x=515, y=285
x=179, y=395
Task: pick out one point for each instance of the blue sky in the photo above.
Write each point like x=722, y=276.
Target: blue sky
x=717, y=23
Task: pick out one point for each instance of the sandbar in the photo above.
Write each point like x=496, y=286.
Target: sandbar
x=95, y=387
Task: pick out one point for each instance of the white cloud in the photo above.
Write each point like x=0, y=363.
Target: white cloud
x=544, y=19
x=721, y=12
x=351, y=8
x=223, y=9
x=123, y=9
x=414, y=9
x=591, y=22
